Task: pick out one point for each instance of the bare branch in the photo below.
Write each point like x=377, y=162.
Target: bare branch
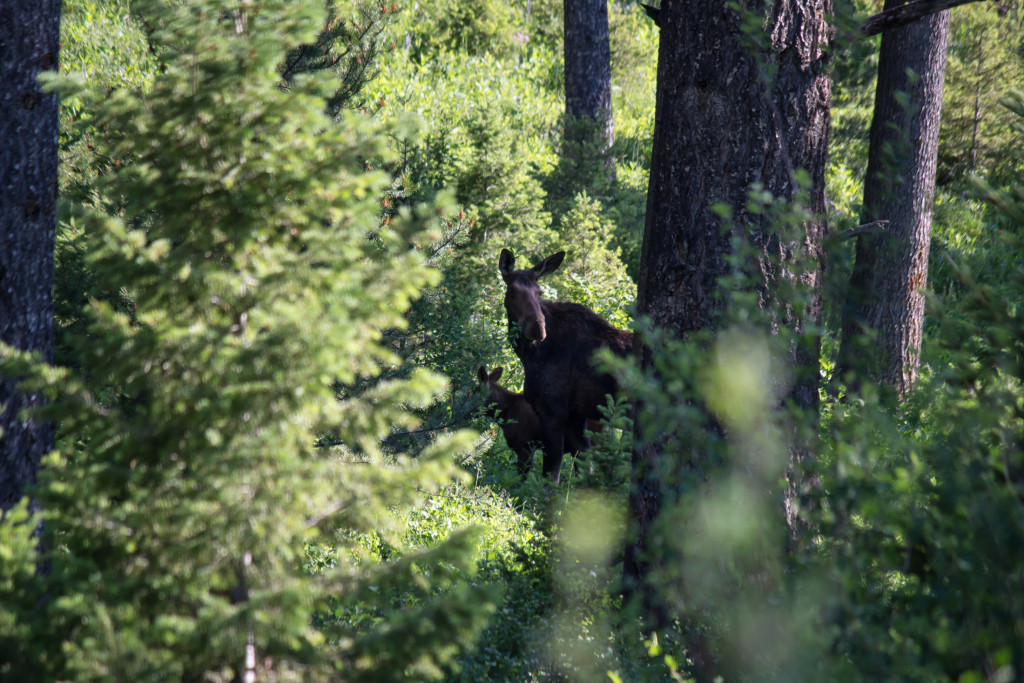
x=654, y=13
x=877, y=23
x=873, y=226
x=906, y=14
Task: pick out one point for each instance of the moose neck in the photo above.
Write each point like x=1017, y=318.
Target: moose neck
x=563, y=322
x=502, y=398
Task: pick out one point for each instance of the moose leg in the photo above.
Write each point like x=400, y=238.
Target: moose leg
x=554, y=446
x=575, y=442
x=524, y=459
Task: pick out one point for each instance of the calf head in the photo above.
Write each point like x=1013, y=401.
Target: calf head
x=488, y=385
x=522, y=293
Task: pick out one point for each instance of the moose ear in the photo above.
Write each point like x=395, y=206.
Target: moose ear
x=481, y=375
x=548, y=265
x=496, y=374
x=506, y=264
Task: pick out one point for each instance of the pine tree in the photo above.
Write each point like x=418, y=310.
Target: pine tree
x=347, y=48
x=257, y=282
x=741, y=119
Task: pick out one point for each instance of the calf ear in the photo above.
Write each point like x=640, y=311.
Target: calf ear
x=481, y=375
x=548, y=265
x=506, y=264
x=496, y=374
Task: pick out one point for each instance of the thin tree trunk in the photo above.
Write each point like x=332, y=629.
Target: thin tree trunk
x=29, y=33
x=974, y=127
x=884, y=313
x=588, y=77
x=733, y=109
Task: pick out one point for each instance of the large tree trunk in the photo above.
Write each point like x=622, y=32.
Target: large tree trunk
x=588, y=79
x=886, y=298
x=732, y=110
x=29, y=33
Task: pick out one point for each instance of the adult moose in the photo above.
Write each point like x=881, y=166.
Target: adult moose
x=518, y=419
x=556, y=341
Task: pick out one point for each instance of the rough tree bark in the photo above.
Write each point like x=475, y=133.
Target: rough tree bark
x=885, y=296
x=588, y=76
x=732, y=109
x=29, y=33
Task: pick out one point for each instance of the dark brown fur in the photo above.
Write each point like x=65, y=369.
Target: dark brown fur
x=556, y=345
x=518, y=420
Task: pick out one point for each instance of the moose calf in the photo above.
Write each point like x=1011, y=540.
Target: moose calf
x=518, y=421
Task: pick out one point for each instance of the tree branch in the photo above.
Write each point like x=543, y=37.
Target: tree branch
x=654, y=13
x=878, y=23
x=873, y=226
x=906, y=14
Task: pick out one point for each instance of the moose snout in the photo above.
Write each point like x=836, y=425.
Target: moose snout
x=534, y=330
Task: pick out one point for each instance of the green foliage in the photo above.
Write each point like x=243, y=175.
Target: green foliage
x=103, y=41
x=605, y=465
x=347, y=48
x=594, y=274
x=634, y=48
x=967, y=237
x=919, y=509
x=492, y=119
x=510, y=552
x=503, y=29
x=1009, y=201
x=888, y=570
x=970, y=249
x=985, y=57
x=259, y=281
x=247, y=271
x=492, y=135
x=106, y=44
x=854, y=72
x=715, y=408
x=617, y=178
x=580, y=643
x=485, y=120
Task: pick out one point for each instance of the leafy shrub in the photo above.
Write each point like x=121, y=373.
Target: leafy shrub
x=510, y=552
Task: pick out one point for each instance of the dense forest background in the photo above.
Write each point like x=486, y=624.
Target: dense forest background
x=276, y=275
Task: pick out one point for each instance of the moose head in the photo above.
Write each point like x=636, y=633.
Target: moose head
x=522, y=293
x=490, y=389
